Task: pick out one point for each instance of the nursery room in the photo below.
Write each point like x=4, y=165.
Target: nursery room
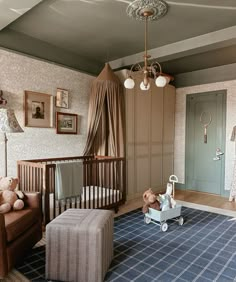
x=118, y=140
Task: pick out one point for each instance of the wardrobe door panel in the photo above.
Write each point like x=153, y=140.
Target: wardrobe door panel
x=142, y=174
x=130, y=117
x=156, y=171
x=169, y=114
x=142, y=117
x=156, y=132
x=132, y=189
x=142, y=129
x=156, y=113
x=168, y=132
x=130, y=149
x=167, y=167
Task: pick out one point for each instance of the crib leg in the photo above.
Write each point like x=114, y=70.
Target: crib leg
x=116, y=209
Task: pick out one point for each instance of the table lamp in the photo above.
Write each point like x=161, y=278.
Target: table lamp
x=8, y=124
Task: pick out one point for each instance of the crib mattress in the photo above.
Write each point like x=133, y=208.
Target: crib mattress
x=92, y=197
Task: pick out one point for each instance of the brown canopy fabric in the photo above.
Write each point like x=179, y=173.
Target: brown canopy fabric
x=106, y=126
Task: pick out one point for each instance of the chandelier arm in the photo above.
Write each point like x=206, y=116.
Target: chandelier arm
x=138, y=65
x=153, y=70
x=159, y=65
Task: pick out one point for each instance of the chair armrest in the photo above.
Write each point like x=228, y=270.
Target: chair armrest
x=33, y=200
x=3, y=252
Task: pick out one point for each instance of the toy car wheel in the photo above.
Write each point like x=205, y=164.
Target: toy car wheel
x=181, y=220
x=147, y=220
x=164, y=227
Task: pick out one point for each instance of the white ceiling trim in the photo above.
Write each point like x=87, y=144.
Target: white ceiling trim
x=203, y=43
x=10, y=10
x=201, y=5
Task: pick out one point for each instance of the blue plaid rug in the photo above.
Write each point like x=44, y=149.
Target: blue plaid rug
x=203, y=249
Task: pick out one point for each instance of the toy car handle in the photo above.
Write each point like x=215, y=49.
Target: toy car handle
x=173, y=178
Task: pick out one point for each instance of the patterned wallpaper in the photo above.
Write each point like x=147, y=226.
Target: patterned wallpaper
x=180, y=117
x=19, y=73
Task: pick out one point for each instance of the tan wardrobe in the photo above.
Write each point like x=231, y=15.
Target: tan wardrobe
x=150, y=138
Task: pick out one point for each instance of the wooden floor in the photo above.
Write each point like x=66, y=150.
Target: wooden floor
x=206, y=199
x=199, y=198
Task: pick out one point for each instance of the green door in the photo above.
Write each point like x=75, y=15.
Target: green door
x=204, y=165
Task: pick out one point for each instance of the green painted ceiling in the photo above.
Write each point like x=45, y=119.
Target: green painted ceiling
x=11, y=10
x=84, y=34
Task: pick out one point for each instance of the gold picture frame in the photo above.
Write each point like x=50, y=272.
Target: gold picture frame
x=62, y=98
x=38, y=109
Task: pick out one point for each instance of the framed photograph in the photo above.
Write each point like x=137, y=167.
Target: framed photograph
x=66, y=123
x=62, y=98
x=38, y=109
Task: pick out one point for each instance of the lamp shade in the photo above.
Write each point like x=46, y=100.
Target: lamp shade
x=8, y=122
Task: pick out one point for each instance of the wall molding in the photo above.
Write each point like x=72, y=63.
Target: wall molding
x=211, y=75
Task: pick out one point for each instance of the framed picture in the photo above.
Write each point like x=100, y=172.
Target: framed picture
x=62, y=98
x=38, y=109
x=66, y=123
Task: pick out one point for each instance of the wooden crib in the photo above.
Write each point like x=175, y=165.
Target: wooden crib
x=104, y=183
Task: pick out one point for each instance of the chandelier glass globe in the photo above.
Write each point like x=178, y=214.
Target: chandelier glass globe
x=129, y=83
x=143, y=87
x=161, y=81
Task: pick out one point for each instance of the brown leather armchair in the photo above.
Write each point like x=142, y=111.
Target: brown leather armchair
x=19, y=232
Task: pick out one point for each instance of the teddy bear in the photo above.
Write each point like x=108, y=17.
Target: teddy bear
x=150, y=200
x=10, y=198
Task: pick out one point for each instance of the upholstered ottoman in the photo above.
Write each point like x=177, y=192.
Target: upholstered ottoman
x=79, y=245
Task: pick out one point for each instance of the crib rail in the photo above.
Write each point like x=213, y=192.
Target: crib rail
x=104, y=183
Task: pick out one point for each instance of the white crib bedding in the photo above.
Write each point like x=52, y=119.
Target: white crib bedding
x=97, y=196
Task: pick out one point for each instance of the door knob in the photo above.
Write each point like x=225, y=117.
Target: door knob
x=216, y=158
x=219, y=152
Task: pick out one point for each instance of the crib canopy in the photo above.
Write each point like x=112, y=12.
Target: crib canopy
x=106, y=125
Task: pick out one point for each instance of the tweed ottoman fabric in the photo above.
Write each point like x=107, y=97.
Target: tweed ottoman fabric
x=79, y=245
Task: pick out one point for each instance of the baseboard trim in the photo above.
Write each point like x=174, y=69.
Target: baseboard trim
x=207, y=208
x=182, y=186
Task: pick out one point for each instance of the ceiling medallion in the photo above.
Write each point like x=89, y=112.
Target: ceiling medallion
x=155, y=9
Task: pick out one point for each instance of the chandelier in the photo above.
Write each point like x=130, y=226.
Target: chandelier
x=147, y=10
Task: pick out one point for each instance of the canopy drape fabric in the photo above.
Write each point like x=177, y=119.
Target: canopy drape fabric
x=106, y=116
